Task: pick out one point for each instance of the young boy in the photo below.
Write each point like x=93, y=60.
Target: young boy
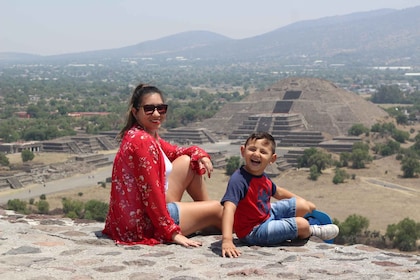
x=247, y=209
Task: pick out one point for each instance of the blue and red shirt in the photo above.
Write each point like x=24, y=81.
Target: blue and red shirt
x=251, y=194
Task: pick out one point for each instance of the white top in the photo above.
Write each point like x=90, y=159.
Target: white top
x=168, y=169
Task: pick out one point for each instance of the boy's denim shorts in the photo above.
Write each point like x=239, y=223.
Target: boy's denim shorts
x=173, y=211
x=279, y=227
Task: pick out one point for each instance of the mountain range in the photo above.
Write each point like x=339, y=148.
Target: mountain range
x=381, y=37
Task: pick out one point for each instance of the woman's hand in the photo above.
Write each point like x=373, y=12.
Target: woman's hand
x=206, y=163
x=184, y=241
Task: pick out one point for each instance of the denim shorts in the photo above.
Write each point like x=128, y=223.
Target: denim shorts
x=279, y=227
x=173, y=211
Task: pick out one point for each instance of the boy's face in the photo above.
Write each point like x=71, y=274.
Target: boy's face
x=257, y=155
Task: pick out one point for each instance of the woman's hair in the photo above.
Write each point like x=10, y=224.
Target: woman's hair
x=263, y=135
x=135, y=102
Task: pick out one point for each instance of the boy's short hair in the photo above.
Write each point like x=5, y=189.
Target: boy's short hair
x=262, y=135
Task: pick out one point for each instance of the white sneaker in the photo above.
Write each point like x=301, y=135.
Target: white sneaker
x=325, y=232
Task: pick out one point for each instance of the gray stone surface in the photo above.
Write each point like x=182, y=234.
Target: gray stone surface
x=49, y=247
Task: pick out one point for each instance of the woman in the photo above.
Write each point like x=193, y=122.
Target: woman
x=149, y=178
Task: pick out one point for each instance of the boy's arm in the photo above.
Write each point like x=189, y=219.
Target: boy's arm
x=228, y=248
x=282, y=193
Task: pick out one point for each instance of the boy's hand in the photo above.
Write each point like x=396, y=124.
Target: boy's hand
x=229, y=250
x=312, y=206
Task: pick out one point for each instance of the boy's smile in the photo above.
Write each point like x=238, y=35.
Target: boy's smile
x=257, y=155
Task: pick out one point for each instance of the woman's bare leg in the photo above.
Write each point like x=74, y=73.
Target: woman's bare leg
x=183, y=178
x=195, y=216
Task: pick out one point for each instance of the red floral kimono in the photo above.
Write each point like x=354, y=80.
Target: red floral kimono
x=137, y=209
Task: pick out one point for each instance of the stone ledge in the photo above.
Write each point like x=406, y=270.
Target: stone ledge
x=52, y=247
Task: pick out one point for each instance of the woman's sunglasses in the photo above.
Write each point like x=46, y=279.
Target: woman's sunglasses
x=150, y=109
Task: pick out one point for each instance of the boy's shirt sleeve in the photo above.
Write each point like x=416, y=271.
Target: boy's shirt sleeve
x=236, y=189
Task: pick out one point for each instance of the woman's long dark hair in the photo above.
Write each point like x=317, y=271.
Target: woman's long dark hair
x=135, y=102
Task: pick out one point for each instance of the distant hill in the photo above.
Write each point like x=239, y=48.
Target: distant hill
x=381, y=37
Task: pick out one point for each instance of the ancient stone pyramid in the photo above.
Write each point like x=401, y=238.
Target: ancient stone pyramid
x=319, y=105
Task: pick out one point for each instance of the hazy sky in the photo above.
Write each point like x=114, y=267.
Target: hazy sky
x=48, y=27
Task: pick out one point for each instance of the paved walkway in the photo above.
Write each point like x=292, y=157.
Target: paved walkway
x=77, y=181
x=47, y=247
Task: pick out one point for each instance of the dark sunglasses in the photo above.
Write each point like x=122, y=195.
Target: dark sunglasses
x=150, y=109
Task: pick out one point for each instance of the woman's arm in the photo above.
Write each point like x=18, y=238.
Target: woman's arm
x=200, y=159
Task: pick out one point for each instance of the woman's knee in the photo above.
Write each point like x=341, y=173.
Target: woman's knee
x=182, y=161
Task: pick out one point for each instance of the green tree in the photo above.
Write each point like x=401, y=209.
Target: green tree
x=4, y=160
x=400, y=136
x=404, y=234
x=43, y=207
x=313, y=173
x=402, y=119
x=388, y=94
x=96, y=210
x=321, y=160
x=302, y=161
x=345, y=158
x=233, y=163
x=72, y=208
x=339, y=176
x=352, y=227
x=410, y=167
x=359, y=158
x=357, y=130
x=17, y=205
x=27, y=155
x=390, y=148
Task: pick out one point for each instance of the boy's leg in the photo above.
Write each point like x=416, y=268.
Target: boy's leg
x=285, y=208
x=273, y=232
x=325, y=232
x=281, y=225
x=290, y=208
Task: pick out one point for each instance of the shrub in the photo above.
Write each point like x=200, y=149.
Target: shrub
x=345, y=158
x=73, y=209
x=313, y=173
x=353, y=226
x=96, y=210
x=404, y=234
x=43, y=207
x=357, y=130
x=17, y=205
x=27, y=155
x=303, y=161
x=410, y=167
x=233, y=163
x=340, y=176
x=4, y=160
